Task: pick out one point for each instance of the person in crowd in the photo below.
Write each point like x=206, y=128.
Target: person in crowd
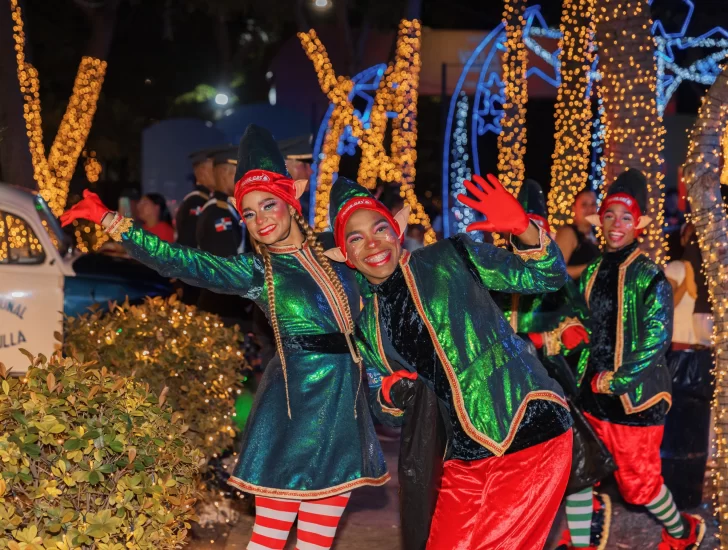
x=190, y=209
x=625, y=386
x=309, y=440
x=155, y=216
x=298, y=152
x=577, y=241
x=128, y=202
x=415, y=238
x=430, y=319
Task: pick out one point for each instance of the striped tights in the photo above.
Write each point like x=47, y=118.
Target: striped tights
x=317, y=522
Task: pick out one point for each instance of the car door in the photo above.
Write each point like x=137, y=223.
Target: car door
x=31, y=289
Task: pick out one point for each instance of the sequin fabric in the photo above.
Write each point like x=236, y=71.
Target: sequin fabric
x=492, y=376
x=323, y=449
x=643, y=332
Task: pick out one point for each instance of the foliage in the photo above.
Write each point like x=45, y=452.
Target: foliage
x=163, y=342
x=91, y=460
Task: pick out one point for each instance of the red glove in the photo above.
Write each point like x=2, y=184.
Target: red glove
x=502, y=211
x=573, y=336
x=536, y=338
x=89, y=208
x=600, y=383
x=392, y=379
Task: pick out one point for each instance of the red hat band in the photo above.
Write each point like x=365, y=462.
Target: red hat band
x=351, y=206
x=269, y=182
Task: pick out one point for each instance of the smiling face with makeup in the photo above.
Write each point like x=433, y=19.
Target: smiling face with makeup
x=618, y=225
x=372, y=245
x=269, y=219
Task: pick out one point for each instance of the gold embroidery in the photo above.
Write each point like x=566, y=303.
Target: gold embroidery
x=380, y=346
x=307, y=495
x=590, y=283
x=515, y=298
x=118, y=229
x=534, y=253
x=394, y=411
x=497, y=449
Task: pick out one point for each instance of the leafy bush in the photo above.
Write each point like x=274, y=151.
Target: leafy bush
x=165, y=343
x=91, y=460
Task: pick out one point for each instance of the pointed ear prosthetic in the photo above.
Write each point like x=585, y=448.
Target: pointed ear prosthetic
x=300, y=186
x=594, y=219
x=335, y=254
x=402, y=219
x=643, y=222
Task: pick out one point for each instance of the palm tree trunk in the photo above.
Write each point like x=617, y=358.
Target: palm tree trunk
x=569, y=171
x=634, y=131
x=702, y=179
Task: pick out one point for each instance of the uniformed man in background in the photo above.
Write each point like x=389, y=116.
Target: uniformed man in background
x=298, y=152
x=190, y=209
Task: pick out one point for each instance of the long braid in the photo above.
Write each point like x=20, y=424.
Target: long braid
x=324, y=262
x=273, y=317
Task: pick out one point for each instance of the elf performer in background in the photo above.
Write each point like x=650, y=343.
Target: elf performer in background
x=553, y=323
x=309, y=439
x=431, y=313
x=625, y=387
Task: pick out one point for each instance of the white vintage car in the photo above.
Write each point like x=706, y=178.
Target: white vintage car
x=42, y=277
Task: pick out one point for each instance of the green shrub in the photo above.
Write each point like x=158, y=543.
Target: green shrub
x=165, y=343
x=91, y=460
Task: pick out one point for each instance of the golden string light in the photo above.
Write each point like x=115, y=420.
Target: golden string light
x=702, y=179
x=634, y=136
x=570, y=168
x=53, y=174
x=397, y=93
x=91, y=166
x=512, y=140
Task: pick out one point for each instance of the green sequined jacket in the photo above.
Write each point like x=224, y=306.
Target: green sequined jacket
x=492, y=375
x=644, y=331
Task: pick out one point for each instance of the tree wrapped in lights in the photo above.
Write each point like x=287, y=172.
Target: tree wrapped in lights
x=634, y=135
x=512, y=140
x=573, y=110
x=397, y=93
x=459, y=168
x=165, y=343
x=53, y=173
x=702, y=180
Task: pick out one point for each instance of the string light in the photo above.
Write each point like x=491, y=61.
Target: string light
x=396, y=98
x=512, y=140
x=573, y=110
x=91, y=166
x=459, y=169
x=634, y=134
x=53, y=174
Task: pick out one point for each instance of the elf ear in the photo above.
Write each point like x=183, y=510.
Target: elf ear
x=643, y=222
x=335, y=254
x=594, y=219
x=300, y=186
x=402, y=218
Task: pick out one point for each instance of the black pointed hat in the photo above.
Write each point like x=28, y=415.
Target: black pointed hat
x=259, y=151
x=633, y=183
x=532, y=198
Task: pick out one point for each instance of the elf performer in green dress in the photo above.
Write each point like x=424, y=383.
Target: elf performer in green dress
x=625, y=386
x=431, y=316
x=309, y=439
x=553, y=323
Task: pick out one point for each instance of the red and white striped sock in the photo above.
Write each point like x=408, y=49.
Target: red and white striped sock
x=318, y=520
x=274, y=518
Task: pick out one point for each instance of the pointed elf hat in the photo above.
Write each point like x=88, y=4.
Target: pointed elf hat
x=629, y=189
x=533, y=202
x=261, y=168
x=347, y=197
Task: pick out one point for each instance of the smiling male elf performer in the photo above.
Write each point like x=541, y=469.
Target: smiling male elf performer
x=431, y=312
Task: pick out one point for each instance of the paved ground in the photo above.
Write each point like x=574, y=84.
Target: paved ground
x=372, y=523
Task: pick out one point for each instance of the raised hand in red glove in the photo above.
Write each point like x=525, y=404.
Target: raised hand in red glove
x=573, y=336
x=392, y=379
x=502, y=211
x=89, y=208
x=601, y=382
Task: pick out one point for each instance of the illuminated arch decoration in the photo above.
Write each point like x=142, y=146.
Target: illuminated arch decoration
x=487, y=114
x=389, y=95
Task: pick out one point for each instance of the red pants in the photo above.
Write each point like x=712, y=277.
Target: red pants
x=502, y=503
x=636, y=451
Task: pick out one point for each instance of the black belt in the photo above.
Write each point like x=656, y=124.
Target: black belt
x=333, y=342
